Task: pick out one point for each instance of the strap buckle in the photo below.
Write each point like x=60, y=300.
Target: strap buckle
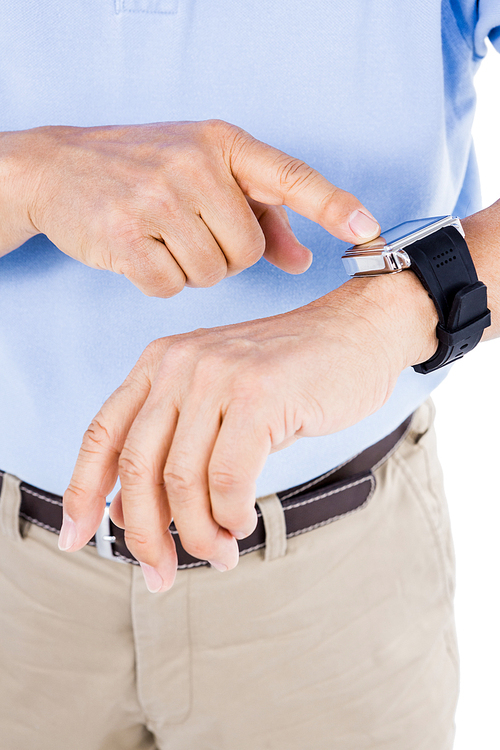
x=104, y=539
x=461, y=335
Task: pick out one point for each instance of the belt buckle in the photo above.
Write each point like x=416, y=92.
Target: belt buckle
x=104, y=539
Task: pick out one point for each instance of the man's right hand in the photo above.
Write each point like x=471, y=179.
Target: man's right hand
x=166, y=204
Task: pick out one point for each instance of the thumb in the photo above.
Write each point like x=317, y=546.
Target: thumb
x=270, y=176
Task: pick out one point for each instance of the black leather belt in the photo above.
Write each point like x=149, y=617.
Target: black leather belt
x=306, y=507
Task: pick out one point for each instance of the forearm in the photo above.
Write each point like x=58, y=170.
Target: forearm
x=17, y=181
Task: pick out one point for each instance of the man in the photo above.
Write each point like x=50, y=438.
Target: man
x=342, y=636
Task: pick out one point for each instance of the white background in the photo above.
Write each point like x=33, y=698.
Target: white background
x=468, y=419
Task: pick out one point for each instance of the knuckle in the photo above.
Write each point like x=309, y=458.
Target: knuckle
x=133, y=257
x=250, y=388
x=139, y=539
x=97, y=438
x=212, y=276
x=80, y=500
x=208, y=367
x=181, y=484
x=141, y=377
x=156, y=194
x=217, y=272
x=142, y=265
x=223, y=480
x=124, y=241
x=133, y=467
x=232, y=140
x=215, y=129
x=170, y=205
x=167, y=289
x=252, y=251
x=215, y=278
x=75, y=493
x=330, y=204
x=154, y=350
x=180, y=353
x=293, y=173
x=141, y=542
x=235, y=517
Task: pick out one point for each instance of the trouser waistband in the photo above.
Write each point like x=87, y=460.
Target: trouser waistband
x=304, y=507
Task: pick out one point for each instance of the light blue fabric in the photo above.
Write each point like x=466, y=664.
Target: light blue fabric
x=376, y=94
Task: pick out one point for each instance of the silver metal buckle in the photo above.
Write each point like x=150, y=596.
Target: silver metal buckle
x=104, y=538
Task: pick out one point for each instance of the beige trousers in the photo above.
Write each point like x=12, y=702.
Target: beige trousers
x=345, y=642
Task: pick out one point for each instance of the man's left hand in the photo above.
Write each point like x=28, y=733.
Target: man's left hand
x=191, y=427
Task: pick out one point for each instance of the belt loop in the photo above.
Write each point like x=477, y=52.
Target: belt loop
x=422, y=421
x=10, y=505
x=275, y=526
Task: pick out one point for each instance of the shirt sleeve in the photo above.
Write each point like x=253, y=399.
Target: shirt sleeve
x=487, y=25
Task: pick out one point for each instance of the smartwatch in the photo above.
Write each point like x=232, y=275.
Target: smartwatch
x=436, y=251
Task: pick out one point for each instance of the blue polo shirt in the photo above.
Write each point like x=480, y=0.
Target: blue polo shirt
x=378, y=96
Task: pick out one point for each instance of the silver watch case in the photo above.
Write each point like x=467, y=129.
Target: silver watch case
x=386, y=254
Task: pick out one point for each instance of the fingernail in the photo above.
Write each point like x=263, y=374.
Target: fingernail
x=67, y=536
x=218, y=566
x=363, y=225
x=240, y=534
x=153, y=579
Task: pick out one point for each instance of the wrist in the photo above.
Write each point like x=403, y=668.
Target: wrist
x=482, y=233
x=18, y=186
x=397, y=313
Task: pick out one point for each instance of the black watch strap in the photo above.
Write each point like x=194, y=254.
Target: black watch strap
x=444, y=266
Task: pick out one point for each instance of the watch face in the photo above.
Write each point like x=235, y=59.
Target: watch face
x=386, y=254
x=407, y=228
x=408, y=232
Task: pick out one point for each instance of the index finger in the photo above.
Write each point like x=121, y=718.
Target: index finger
x=96, y=469
x=271, y=176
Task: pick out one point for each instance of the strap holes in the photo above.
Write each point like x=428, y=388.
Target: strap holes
x=464, y=346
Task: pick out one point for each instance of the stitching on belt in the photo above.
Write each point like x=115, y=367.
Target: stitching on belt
x=336, y=518
x=256, y=547
x=327, y=494
x=42, y=497
x=38, y=523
